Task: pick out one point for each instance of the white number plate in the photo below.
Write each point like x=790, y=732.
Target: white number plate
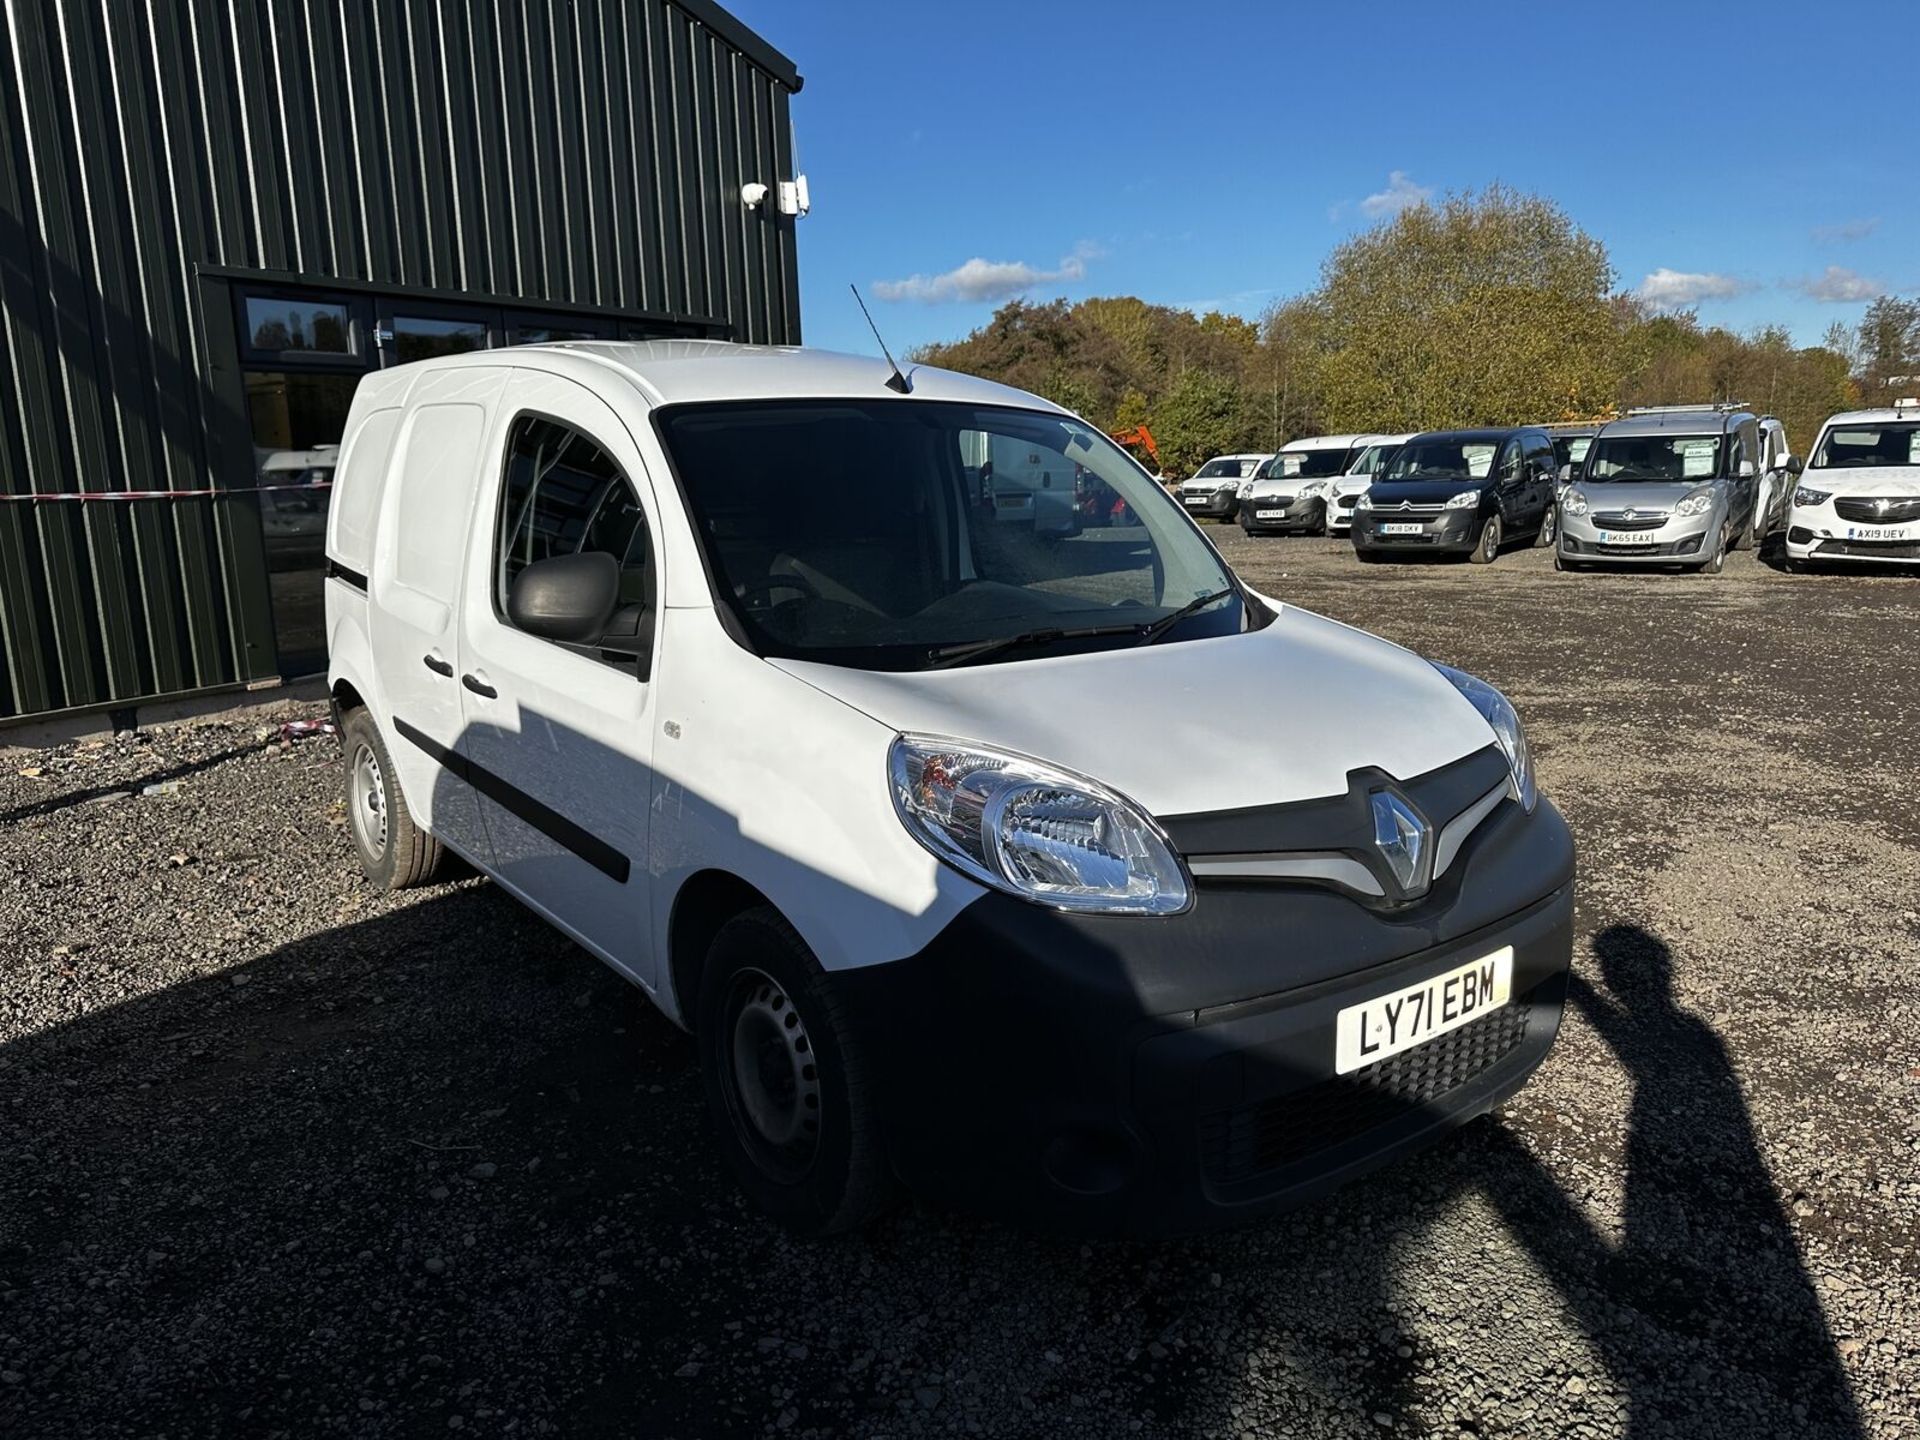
x=1403, y=527
x=1883, y=532
x=1269, y=514
x=1388, y=1024
x=1627, y=537
x=1199, y=499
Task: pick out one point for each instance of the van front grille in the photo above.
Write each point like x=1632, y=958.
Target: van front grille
x=1893, y=510
x=1239, y=1144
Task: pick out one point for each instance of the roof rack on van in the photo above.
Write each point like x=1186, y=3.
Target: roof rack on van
x=1723, y=406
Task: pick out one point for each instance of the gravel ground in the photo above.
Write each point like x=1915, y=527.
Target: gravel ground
x=282, y=1156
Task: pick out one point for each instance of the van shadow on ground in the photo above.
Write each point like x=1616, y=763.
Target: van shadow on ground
x=249, y=1208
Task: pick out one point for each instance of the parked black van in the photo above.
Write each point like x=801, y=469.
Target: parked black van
x=1460, y=492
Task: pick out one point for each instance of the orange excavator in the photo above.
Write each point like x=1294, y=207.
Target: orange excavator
x=1143, y=437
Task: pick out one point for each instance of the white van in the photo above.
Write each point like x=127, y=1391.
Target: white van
x=937, y=834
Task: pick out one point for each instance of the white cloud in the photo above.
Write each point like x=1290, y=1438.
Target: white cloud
x=1837, y=285
x=1401, y=194
x=986, y=281
x=1845, y=231
x=1666, y=289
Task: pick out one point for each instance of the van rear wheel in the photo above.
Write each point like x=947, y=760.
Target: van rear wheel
x=786, y=1082
x=394, y=850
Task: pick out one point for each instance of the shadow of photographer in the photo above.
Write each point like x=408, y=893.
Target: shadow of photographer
x=1703, y=1306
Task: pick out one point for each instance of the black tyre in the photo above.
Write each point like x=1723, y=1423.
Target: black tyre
x=785, y=1081
x=1368, y=557
x=1487, y=549
x=1716, y=561
x=1549, y=528
x=394, y=850
x=1319, y=526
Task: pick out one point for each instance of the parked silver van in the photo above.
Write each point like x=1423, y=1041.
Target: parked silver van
x=1670, y=485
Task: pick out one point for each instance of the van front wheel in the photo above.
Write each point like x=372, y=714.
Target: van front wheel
x=785, y=1080
x=394, y=851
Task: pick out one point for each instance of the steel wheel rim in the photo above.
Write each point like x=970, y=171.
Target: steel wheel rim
x=773, y=1076
x=367, y=801
x=1490, y=541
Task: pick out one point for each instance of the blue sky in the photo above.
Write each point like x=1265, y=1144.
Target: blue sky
x=1762, y=156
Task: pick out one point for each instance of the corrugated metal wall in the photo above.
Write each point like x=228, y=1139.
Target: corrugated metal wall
x=576, y=152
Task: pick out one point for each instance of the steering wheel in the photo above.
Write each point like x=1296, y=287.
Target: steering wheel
x=773, y=583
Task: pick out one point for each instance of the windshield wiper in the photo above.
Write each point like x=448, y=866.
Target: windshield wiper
x=941, y=657
x=1154, y=630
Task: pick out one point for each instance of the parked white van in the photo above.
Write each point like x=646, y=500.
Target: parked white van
x=940, y=835
x=1859, y=495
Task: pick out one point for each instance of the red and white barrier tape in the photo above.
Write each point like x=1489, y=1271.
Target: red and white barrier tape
x=151, y=494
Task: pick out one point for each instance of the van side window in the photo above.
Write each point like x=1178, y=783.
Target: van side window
x=563, y=495
x=1509, y=468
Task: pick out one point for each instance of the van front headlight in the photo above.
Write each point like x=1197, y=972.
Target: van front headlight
x=1573, y=503
x=1465, y=500
x=1034, y=830
x=1809, y=497
x=1695, y=502
x=1505, y=720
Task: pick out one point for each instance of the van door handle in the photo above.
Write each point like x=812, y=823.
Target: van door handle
x=480, y=688
x=437, y=665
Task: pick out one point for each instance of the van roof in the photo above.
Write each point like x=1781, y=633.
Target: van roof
x=1321, y=442
x=1679, y=422
x=674, y=372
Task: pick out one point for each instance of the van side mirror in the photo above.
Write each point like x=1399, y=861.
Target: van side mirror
x=1794, y=465
x=568, y=598
x=1745, y=470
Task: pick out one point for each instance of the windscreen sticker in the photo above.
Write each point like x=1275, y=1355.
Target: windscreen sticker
x=1696, y=457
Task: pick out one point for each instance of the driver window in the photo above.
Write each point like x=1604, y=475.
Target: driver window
x=563, y=495
x=1508, y=469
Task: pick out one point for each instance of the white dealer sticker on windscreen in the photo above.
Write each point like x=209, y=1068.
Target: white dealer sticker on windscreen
x=1388, y=1024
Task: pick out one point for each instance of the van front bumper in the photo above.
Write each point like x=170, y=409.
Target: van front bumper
x=1151, y=1076
x=1680, y=541
x=1221, y=504
x=1449, y=532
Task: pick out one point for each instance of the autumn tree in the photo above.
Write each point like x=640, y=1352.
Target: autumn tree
x=1481, y=309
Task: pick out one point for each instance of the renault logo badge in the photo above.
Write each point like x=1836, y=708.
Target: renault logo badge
x=1404, y=841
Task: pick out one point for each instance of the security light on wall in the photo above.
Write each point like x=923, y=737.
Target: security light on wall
x=754, y=194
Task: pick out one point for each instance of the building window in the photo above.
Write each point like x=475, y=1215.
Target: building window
x=286, y=328
x=421, y=337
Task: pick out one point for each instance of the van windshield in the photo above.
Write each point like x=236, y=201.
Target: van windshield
x=1855, y=446
x=1441, y=460
x=911, y=535
x=1306, y=464
x=1653, y=457
x=1227, y=467
x=1373, y=459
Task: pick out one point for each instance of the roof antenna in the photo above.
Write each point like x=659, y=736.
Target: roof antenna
x=896, y=381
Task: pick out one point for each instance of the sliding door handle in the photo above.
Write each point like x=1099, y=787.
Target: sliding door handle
x=437, y=665
x=480, y=688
